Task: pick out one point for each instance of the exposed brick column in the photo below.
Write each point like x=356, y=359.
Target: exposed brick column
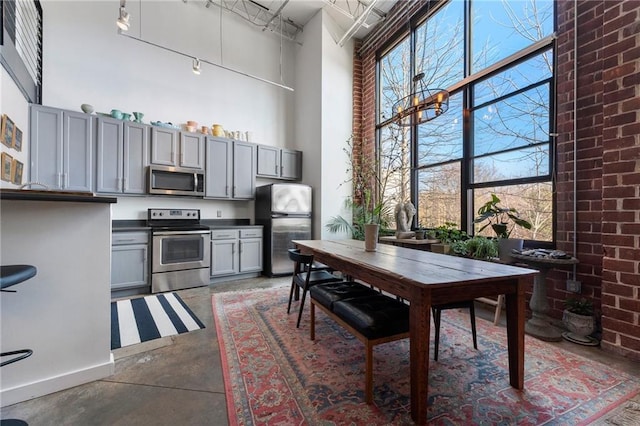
x=621, y=179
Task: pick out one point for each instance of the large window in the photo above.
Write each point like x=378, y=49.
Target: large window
x=496, y=60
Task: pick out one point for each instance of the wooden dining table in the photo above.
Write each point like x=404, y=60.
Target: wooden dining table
x=424, y=279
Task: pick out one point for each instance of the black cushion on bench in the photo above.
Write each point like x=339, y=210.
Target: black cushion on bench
x=375, y=316
x=329, y=293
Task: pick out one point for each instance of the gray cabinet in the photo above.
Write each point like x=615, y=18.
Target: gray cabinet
x=224, y=252
x=129, y=261
x=230, y=169
x=290, y=164
x=171, y=147
x=62, y=152
x=279, y=163
x=236, y=251
x=250, y=250
x=122, y=156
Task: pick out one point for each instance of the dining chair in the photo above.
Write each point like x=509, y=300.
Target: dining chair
x=304, y=277
x=437, y=311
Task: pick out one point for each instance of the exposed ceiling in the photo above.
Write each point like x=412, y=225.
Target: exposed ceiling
x=356, y=18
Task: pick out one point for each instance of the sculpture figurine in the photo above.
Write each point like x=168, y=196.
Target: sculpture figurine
x=404, y=217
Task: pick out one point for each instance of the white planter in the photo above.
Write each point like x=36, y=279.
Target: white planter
x=371, y=237
x=579, y=326
x=506, y=247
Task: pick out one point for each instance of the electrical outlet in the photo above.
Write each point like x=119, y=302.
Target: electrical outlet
x=219, y=213
x=574, y=286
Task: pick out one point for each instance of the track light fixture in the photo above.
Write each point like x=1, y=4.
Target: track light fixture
x=196, y=66
x=123, y=18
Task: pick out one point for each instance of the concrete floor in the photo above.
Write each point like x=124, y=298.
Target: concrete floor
x=178, y=380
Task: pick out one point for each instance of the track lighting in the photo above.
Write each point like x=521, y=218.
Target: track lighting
x=196, y=66
x=123, y=19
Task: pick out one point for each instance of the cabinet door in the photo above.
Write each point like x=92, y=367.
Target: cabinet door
x=251, y=254
x=136, y=157
x=45, y=135
x=218, y=168
x=268, y=161
x=291, y=164
x=224, y=257
x=244, y=170
x=129, y=266
x=78, y=151
x=191, y=150
x=164, y=146
x=109, y=154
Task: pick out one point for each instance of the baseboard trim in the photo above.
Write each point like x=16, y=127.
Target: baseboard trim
x=54, y=384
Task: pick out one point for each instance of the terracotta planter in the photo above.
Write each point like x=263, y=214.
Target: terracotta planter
x=371, y=237
x=441, y=248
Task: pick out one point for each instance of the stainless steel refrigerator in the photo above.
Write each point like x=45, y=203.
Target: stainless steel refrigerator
x=284, y=209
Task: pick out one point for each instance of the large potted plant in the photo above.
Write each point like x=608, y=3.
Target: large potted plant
x=368, y=210
x=578, y=318
x=502, y=220
x=447, y=234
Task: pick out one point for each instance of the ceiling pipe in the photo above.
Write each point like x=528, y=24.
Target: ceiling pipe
x=277, y=12
x=357, y=24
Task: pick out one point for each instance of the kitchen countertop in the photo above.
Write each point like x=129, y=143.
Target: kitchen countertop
x=37, y=195
x=124, y=225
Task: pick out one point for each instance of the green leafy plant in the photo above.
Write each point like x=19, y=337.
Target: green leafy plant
x=501, y=219
x=581, y=306
x=477, y=247
x=366, y=206
x=449, y=233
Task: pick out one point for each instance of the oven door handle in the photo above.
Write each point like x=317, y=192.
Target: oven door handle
x=163, y=233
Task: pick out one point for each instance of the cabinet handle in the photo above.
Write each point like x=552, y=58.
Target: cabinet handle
x=275, y=171
x=125, y=240
x=240, y=244
x=281, y=169
x=233, y=248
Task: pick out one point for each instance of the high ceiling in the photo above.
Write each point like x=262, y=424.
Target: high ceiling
x=356, y=18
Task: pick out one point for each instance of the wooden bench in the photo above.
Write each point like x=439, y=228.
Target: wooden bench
x=371, y=317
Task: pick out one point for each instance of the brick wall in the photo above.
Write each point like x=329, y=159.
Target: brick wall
x=607, y=156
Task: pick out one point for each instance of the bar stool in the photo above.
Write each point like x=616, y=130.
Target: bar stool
x=11, y=275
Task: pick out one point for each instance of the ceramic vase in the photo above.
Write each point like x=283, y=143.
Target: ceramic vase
x=371, y=237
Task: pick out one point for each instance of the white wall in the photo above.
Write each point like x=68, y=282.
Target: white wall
x=324, y=117
x=86, y=61
x=14, y=105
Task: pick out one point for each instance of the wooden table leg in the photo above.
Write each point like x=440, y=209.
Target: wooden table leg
x=515, y=303
x=420, y=317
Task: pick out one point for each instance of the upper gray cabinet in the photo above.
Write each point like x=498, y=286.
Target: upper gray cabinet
x=122, y=156
x=62, y=149
x=171, y=147
x=230, y=169
x=279, y=163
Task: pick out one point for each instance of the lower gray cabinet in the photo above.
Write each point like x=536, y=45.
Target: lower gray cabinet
x=235, y=252
x=129, y=260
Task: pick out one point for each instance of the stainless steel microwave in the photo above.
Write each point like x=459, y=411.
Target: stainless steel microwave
x=175, y=181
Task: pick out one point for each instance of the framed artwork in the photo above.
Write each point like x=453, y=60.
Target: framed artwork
x=17, y=139
x=16, y=176
x=7, y=164
x=6, y=132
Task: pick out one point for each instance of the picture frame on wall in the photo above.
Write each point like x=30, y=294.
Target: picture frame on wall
x=6, y=132
x=7, y=166
x=17, y=139
x=16, y=175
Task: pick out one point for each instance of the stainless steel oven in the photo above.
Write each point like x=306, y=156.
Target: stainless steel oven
x=180, y=249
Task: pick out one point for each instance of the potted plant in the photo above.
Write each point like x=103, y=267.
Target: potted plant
x=477, y=247
x=447, y=234
x=578, y=318
x=502, y=220
x=369, y=211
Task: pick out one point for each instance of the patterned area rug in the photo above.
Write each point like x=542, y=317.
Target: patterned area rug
x=150, y=317
x=275, y=375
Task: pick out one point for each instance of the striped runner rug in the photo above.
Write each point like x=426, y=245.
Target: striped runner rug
x=150, y=317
